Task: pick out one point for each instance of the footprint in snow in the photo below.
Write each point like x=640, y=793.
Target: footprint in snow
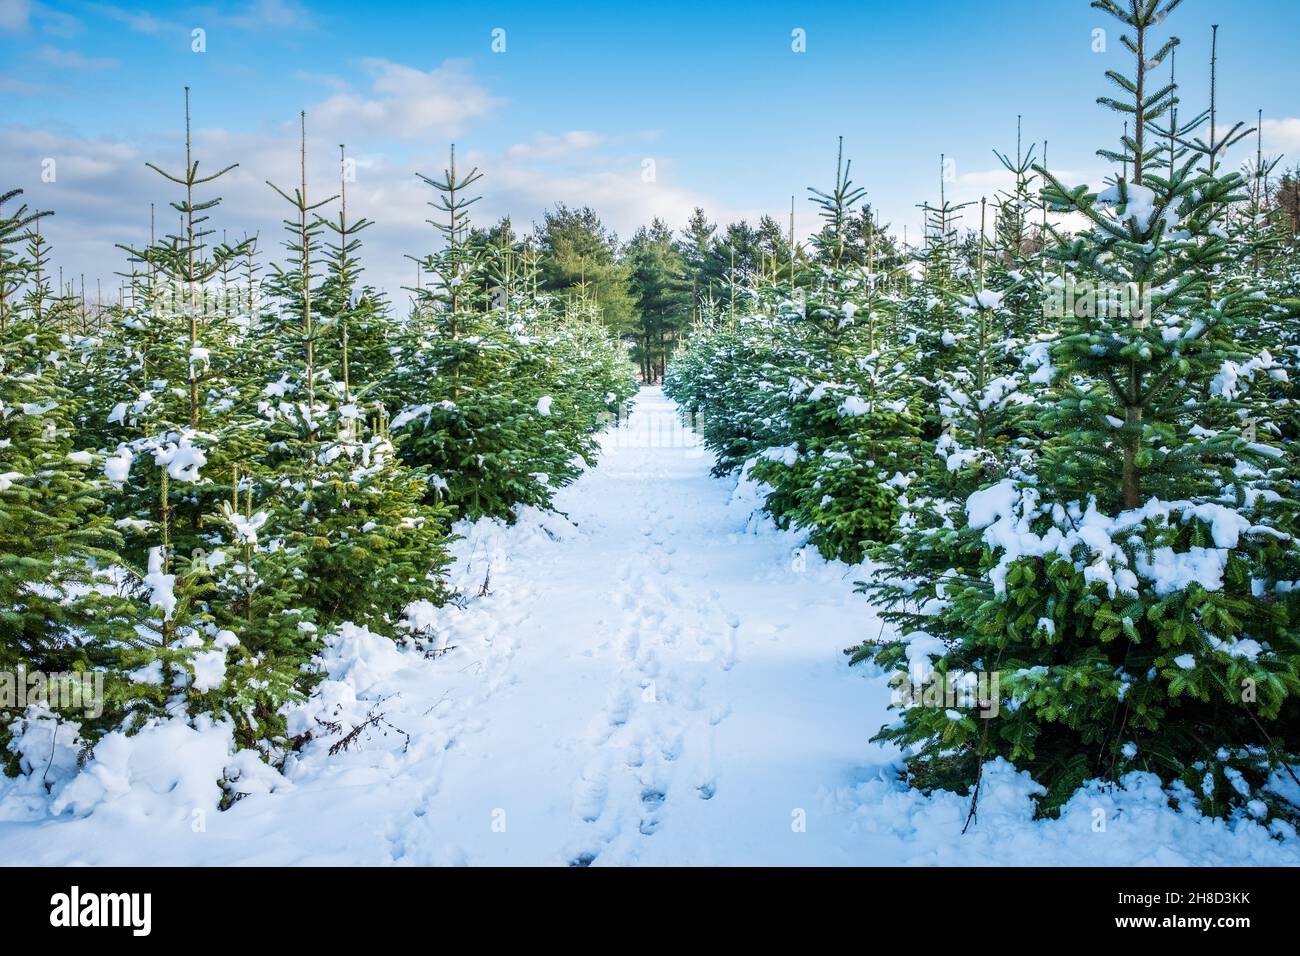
x=671, y=747
x=652, y=800
x=634, y=755
x=618, y=706
x=590, y=794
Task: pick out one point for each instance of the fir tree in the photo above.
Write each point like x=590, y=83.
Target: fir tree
x=365, y=541
x=51, y=521
x=1128, y=592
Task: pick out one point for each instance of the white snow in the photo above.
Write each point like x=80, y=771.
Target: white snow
x=151, y=674
x=278, y=389
x=786, y=454
x=985, y=299
x=1231, y=375
x=1139, y=206
x=117, y=468
x=544, y=406
x=1007, y=510
x=408, y=415
x=161, y=586
x=183, y=460
x=1039, y=357
x=245, y=527
x=657, y=678
x=209, y=669
x=156, y=772
x=854, y=405
x=1242, y=647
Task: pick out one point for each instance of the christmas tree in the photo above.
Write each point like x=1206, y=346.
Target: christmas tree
x=1130, y=594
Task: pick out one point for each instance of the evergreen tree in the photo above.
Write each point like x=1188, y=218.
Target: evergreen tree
x=51, y=522
x=658, y=282
x=576, y=249
x=473, y=390
x=366, y=534
x=806, y=392
x=353, y=316
x=1130, y=592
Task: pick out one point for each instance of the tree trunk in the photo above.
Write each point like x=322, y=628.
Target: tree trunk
x=1132, y=444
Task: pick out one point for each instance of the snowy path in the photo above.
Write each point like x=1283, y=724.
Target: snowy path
x=669, y=689
x=653, y=679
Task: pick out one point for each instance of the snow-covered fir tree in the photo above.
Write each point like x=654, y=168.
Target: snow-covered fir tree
x=1133, y=592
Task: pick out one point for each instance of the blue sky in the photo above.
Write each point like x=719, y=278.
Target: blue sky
x=582, y=96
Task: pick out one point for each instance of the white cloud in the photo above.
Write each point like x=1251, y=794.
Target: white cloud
x=408, y=103
x=969, y=187
x=548, y=146
x=138, y=21
x=15, y=14
x=72, y=60
x=1281, y=135
x=12, y=84
x=19, y=15
x=255, y=16
x=613, y=188
x=103, y=190
x=331, y=80
x=264, y=15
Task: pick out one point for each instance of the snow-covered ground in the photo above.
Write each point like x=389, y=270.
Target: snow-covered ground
x=655, y=677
